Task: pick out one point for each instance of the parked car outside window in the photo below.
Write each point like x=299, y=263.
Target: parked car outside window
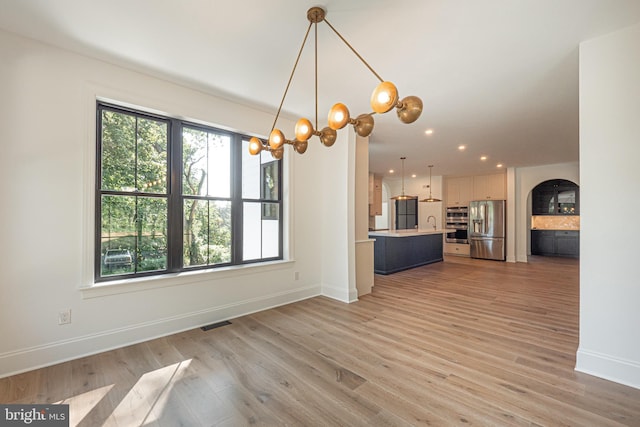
x=118, y=258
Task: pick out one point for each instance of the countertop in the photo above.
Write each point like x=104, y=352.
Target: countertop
x=555, y=229
x=405, y=233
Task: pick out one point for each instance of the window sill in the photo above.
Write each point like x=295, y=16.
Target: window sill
x=116, y=287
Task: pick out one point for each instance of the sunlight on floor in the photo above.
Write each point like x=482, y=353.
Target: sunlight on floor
x=143, y=404
x=146, y=399
x=82, y=404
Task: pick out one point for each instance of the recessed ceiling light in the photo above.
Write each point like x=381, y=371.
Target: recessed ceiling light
x=483, y=158
x=462, y=147
x=499, y=165
x=428, y=131
x=413, y=176
x=391, y=171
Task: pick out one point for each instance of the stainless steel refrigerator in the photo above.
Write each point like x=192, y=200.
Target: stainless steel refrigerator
x=487, y=229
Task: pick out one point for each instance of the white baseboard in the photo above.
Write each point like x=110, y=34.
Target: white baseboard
x=610, y=368
x=340, y=294
x=22, y=360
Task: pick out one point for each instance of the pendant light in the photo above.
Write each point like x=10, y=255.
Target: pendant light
x=430, y=198
x=402, y=196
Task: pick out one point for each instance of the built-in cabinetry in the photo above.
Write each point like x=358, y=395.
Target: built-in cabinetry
x=555, y=206
x=463, y=189
x=459, y=191
x=563, y=243
x=375, y=194
x=555, y=197
x=457, y=249
x=489, y=187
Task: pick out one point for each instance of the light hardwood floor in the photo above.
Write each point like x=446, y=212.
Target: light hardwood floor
x=462, y=342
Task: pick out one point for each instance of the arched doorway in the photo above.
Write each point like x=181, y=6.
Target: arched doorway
x=555, y=219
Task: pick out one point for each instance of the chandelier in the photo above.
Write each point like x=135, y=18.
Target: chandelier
x=383, y=99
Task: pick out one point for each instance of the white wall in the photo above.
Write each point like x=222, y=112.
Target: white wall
x=417, y=187
x=337, y=224
x=526, y=179
x=47, y=138
x=609, y=153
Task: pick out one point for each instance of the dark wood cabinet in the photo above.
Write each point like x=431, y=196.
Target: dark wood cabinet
x=556, y=197
x=562, y=243
x=568, y=243
x=542, y=242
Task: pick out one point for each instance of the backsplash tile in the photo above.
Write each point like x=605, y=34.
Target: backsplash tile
x=555, y=222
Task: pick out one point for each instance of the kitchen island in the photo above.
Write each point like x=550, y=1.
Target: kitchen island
x=397, y=250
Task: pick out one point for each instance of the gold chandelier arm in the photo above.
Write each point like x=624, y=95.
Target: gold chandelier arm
x=354, y=51
x=284, y=95
x=316, y=75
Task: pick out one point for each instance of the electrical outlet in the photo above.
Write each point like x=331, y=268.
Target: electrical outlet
x=296, y=275
x=64, y=317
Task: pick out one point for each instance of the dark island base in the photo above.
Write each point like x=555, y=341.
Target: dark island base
x=393, y=254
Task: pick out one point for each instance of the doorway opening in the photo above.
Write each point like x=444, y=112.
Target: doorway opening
x=555, y=219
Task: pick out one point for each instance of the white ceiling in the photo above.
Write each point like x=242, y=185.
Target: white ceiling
x=499, y=76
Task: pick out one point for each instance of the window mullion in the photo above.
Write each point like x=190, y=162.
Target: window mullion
x=175, y=202
x=237, y=205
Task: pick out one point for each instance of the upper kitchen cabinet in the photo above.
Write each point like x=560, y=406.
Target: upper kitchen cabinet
x=489, y=187
x=556, y=197
x=459, y=191
x=375, y=195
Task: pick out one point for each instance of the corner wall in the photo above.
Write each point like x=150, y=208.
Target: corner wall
x=609, y=152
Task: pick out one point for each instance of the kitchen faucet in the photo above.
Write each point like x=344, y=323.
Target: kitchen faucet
x=434, y=221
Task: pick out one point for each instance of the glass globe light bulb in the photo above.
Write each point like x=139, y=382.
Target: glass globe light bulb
x=276, y=139
x=303, y=129
x=255, y=146
x=338, y=116
x=384, y=97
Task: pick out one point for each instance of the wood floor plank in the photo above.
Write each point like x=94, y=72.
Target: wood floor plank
x=462, y=342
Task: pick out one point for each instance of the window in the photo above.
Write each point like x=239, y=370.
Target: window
x=174, y=196
x=406, y=214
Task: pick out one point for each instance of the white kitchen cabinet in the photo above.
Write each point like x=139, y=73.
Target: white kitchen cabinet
x=459, y=191
x=460, y=249
x=489, y=187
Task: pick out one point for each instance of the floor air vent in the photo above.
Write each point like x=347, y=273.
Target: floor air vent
x=215, y=325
